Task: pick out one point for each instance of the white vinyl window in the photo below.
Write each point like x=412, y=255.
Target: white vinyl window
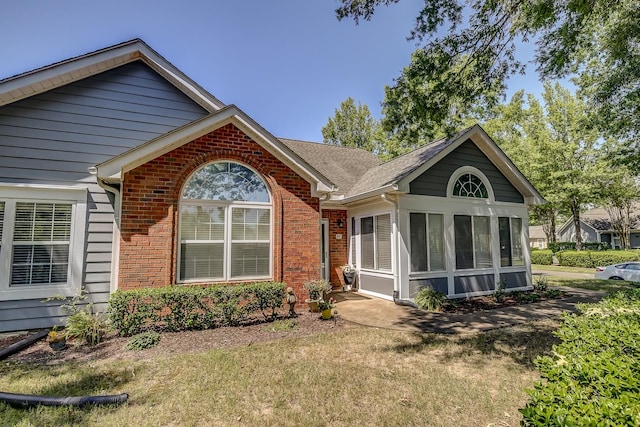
x=225, y=225
x=41, y=241
x=427, y=242
x=510, y=242
x=375, y=242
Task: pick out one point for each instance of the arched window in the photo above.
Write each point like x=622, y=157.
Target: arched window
x=469, y=185
x=225, y=225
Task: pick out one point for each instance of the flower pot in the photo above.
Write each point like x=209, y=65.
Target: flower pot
x=58, y=345
x=313, y=305
x=326, y=314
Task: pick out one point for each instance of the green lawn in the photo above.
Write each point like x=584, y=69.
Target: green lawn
x=353, y=376
x=563, y=269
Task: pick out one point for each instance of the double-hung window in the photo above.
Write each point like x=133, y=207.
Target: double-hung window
x=41, y=241
x=225, y=225
x=510, y=242
x=427, y=242
x=375, y=242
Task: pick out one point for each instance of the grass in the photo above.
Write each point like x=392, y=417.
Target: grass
x=608, y=286
x=355, y=376
x=562, y=269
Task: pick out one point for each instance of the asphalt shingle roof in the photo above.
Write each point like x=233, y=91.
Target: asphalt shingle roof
x=343, y=166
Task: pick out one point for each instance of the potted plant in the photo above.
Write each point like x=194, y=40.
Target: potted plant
x=349, y=275
x=57, y=339
x=316, y=290
x=325, y=308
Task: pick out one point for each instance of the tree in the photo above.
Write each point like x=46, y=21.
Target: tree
x=595, y=39
x=556, y=148
x=353, y=126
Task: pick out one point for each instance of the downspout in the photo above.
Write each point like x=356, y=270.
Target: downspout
x=115, y=251
x=396, y=274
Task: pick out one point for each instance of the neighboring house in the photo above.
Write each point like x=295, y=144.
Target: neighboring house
x=537, y=237
x=117, y=171
x=595, y=225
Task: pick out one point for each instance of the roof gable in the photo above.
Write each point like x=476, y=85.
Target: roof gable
x=27, y=84
x=398, y=173
x=113, y=169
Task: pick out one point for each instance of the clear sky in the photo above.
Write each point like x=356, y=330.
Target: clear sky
x=287, y=63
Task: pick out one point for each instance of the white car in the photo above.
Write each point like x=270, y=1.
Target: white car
x=625, y=271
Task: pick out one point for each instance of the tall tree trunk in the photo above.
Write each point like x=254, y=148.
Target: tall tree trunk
x=575, y=212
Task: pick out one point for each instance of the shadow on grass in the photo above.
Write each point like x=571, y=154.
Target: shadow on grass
x=521, y=343
x=608, y=286
x=61, y=381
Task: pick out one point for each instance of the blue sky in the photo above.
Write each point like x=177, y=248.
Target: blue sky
x=287, y=63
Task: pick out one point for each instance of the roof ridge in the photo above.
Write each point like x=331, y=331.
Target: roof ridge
x=326, y=144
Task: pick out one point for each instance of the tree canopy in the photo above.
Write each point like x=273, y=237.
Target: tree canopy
x=595, y=40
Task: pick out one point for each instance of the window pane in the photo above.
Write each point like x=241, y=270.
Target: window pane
x=469, y=185
x=366, y=242
x=516, y=241
x=505, y=242
x=226, y=181
x=202, y=223
x=436, y=242
x=463, y=241
x=34, y=260
x=250, y=259
x=418, y=237
x=201, y=261
x=250, y=224
x=383, y=242
x=482, y=241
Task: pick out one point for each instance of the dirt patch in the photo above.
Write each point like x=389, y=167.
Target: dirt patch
x=488, y=302
x=173, y=343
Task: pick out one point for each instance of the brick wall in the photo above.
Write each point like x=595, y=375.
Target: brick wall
x=150, y=207
x=338, y=254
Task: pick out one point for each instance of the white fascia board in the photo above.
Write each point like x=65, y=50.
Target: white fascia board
x=74, y=69
x=371, y=193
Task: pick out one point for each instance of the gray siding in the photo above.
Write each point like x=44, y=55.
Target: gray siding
x=52, y=138
x=434, y=181
x=380, y=285
x=468, y=284
x=439, y=284
x=515, y=279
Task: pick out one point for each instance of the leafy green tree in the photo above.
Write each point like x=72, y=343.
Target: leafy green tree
x=470, y=51
x=353, y=126
x=556, y=148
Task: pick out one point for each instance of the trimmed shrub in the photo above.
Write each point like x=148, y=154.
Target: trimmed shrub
x=571, y=246
x=542, y=257
x=589, y=259
x=593, y=377
x=179, y=308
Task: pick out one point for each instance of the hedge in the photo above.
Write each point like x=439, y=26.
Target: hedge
x=589, y=259
x=542, y=257
x=593, y=377
x=179, y=308
x=571, y=246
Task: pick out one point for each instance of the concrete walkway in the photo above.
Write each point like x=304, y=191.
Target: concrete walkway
x=378, y=313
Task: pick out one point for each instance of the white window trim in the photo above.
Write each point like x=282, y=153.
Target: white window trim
x=474, y=171
x=77, y=197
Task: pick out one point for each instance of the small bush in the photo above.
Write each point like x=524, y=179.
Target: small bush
x=542, y=257
x=317, y=289
x=143, y=341
x=499, y=293
x=86, y=327
x=589, y=259
x=540, y=283
x=429, y=299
